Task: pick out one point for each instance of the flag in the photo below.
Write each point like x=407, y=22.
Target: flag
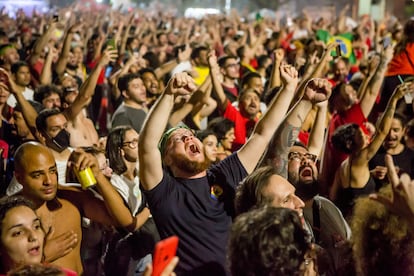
x=344, y=40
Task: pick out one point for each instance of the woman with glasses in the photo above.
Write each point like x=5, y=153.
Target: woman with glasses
x=129, y=249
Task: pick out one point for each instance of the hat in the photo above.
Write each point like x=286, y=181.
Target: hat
x=162, y=145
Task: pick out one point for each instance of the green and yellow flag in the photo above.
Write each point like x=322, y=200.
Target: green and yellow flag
x=344, y=40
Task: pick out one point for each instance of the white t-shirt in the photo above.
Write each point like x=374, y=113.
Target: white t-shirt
x=27, y=93
x=129, y=191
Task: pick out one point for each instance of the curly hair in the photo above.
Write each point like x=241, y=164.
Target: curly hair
x=267, y=241
x=343, y=137
x=381, y=242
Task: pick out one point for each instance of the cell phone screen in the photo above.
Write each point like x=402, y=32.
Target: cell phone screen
x=338, y=51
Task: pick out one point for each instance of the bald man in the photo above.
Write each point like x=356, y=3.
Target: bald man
x=35, y=169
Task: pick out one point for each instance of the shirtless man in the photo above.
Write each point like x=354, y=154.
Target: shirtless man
x=81, y=128
x=36, y=169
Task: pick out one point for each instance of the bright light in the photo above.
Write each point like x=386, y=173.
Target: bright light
x=199, y=12
x=99, y=1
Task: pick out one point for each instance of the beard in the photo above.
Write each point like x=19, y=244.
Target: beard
x=306, y=190
x=194, y=167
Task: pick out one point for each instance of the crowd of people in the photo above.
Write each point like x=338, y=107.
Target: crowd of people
x=266, y=148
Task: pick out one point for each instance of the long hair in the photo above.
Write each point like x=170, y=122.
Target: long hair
x=114, y=145
x=408, y=36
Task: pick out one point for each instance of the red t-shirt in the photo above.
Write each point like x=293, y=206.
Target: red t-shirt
x=333, y=158
x=399, y=65
x=241, y=125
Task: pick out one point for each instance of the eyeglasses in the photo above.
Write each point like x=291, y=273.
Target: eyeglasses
x=299, y=156
x=233, y=65
x=131, y=144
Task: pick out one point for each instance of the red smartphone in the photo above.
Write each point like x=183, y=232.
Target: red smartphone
x=164, y=251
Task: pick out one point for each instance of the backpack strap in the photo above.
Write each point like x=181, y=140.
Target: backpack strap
x=316, y=205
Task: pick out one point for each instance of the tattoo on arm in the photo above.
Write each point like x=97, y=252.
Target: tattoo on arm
x=278, y=150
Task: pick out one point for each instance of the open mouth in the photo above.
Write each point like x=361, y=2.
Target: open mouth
x=194, y=149
x=34, y=250
x=306, y=172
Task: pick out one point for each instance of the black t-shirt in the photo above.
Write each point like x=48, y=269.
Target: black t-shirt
x=404, y=161
x=199, y=211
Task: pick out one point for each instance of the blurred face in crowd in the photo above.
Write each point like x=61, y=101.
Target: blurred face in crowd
x=151, y=83
x=104, y=165
x=201, y=60
x=231, y=69
x=22, y=76
x=341, y=71
x=21, y=237
x=210, y=147
x=10, y=56
x=346, y=98
x=136, y=91
x=52, y=101
x=227, y=141
x=76, y=56
x=22, y=130
x=393, y=139
x=256, y=84
x=249, y=104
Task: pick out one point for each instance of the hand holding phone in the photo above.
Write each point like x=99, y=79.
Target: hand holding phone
x=165, y=250
x=111, y=43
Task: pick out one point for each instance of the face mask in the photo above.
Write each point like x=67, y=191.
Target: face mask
x=61, y=140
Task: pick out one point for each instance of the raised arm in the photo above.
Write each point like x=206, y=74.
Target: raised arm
x=370, y=96
x=150, y=163
x=385, y=122
x=372, y=68
x=29, y=113
x=317, y=72
x=317, y=133
x=402, y=200
x=41, y=43
x=275, y=80
x=252, y=151
x=64, y=55
x=316, y=90
x=46, y=75
x=167, y=67
x=215, y=80
x=88, y=87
